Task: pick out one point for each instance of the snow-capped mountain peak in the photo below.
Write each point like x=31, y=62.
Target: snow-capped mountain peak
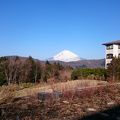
x=66, y=56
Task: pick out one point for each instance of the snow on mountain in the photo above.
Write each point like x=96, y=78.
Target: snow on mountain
x=66, y=56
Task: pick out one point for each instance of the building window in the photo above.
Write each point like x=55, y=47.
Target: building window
x=109, y=47
x=108, y=64
x=109, y=56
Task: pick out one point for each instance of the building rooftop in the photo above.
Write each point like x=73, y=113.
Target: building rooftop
x=113, y=42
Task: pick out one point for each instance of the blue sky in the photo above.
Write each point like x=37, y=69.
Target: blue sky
x=42, y=28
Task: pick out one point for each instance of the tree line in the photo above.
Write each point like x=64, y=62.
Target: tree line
x=17, y=70
x=111, y=74
x=89, y=73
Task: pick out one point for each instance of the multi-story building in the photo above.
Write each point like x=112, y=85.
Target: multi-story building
x=112, y=50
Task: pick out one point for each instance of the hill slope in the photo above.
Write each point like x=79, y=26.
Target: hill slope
x=96, y=63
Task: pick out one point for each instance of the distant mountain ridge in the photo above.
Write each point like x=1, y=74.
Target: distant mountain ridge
x=96, y=63
x=69, y=58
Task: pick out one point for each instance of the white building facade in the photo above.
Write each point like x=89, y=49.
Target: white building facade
x=112, y=50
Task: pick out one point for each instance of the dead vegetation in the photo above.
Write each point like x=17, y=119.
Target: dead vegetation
x=7, y=93
x=72, y=105
x=61, y=87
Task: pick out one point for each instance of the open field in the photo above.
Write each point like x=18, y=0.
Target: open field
x=74, y=104
x=19, y=91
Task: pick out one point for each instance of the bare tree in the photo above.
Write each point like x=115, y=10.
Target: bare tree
x=11, y=69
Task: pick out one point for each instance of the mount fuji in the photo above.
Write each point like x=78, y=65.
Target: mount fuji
x=66, y=56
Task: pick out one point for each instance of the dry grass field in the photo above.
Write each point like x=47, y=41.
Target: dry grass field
x=51, y=87
x=17, y=102
x=7, y=93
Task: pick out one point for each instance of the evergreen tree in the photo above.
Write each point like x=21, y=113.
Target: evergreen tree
x=113, y=70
